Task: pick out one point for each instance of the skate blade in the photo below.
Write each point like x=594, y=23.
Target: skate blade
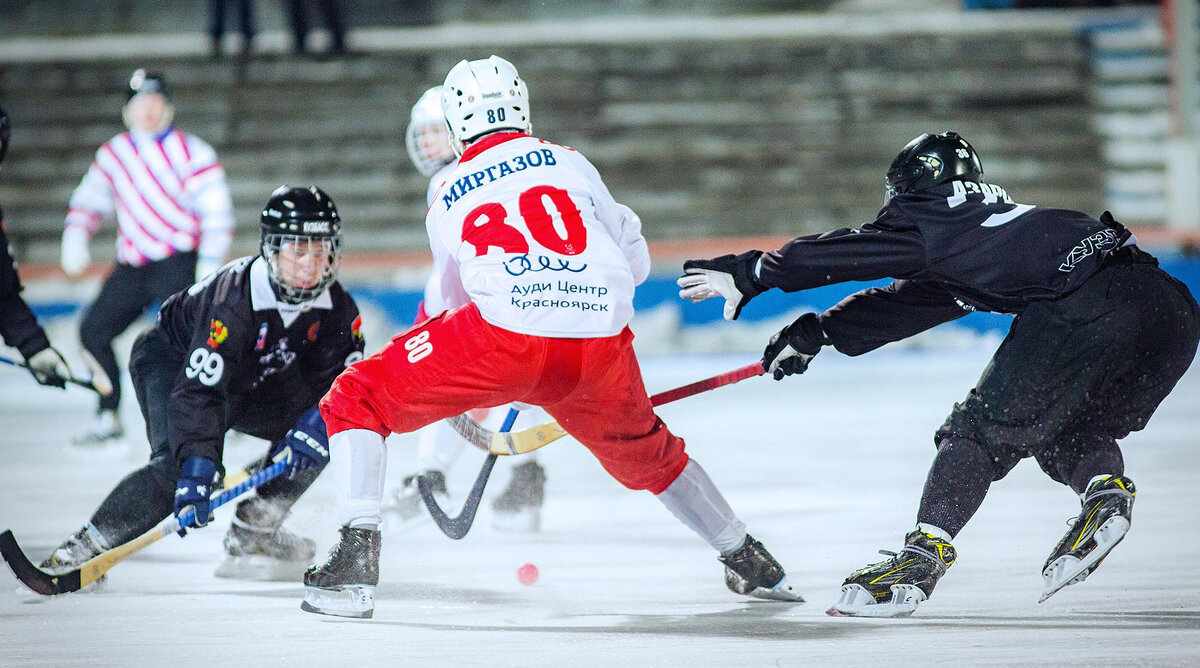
x=1068, y=570
x=783, y=591
x=526, y=520
x=856, y=601
x=261, y=568
x=355, y=601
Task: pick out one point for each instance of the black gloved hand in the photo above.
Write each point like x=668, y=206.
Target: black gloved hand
x=193, y=488
x=308, y=443
x=48, y=368
x=794, y=346
x=728, y=276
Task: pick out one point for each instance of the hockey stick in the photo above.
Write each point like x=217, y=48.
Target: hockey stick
x=98, y=383
x=506, y=443
x=91, y=570
x=457, y=527
x=532, y=438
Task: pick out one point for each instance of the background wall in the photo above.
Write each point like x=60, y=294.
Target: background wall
x=707, y=126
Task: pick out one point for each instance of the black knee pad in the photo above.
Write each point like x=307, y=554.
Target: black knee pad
x=962, y=427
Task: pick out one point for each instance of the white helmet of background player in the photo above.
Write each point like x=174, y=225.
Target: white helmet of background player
x=301, y=241
x=484, y=96
x=427, y=137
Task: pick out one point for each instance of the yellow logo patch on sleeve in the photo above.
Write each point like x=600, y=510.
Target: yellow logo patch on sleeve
x=217, y=333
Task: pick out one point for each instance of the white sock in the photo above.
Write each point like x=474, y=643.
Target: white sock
x=694, y=500
x=933, y=530
x=358, y=462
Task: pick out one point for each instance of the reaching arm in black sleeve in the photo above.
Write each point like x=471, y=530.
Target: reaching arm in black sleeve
x=871, y=318
x=18, y=325
x=887, y=248
x=891, y=246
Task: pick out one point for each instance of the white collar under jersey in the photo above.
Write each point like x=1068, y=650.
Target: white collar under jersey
x=262, y=296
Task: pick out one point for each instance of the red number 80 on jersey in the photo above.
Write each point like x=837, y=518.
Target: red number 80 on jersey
x=486, y=227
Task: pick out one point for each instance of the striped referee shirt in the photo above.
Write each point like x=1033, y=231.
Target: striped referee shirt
x=168, y=192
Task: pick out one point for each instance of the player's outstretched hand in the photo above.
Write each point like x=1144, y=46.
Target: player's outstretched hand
x=193, y=489
x=793, y=347
x=728, y=276
x=49, y=368
x=308, y=443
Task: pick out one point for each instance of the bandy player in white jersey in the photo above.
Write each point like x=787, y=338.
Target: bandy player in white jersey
x=518, y=508
x=549, y=260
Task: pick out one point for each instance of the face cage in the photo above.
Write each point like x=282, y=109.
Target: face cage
x=273, y=245
x=889, y=191
x=429, y=146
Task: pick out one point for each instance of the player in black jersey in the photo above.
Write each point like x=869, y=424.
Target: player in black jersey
x=18, y=326
x=1100, y=338
x=252, y=348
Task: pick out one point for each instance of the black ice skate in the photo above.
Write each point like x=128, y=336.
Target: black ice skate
x=74, y=552
x=345, y=585
x=1102, y=523
x=257, y=547
x=519, y=507
x=894, y=587
x=752, y=571
x=406, y=506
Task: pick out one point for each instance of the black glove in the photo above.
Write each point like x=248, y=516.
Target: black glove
x=308, y=443
x=48, y=368
x=728, y=276
x=794, y=346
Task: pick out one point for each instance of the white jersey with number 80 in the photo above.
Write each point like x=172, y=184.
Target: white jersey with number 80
x=540, y=244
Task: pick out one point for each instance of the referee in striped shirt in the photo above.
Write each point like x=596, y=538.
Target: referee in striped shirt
x=174, y=226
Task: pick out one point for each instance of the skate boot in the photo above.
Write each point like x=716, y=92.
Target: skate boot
x=519, y=507
x=257, y=547
x=345, y=585
x=74, y=552
x=104, y=431
x=1103, y=522
x=405, y=509
x=894, y=586
x=752, y=571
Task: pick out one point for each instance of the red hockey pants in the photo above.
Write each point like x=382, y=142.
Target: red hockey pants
x=457, y=361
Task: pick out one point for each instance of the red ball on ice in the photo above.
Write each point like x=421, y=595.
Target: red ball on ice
x=527, y=574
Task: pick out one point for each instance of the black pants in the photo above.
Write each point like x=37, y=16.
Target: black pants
x=331, y=11
x=146, y=496
x=125, y=295
x=245, y=17
x=1072, y=377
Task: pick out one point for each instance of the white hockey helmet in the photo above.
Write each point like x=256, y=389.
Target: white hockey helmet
x=483, y=96
x=427, y=137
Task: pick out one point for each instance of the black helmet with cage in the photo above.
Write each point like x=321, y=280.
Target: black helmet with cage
x=930, y=160
x=301, y=242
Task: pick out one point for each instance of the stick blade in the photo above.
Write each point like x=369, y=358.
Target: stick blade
x=453, y=527
x=31, y=576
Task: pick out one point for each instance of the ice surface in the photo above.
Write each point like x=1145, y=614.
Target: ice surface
x=825, y=469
